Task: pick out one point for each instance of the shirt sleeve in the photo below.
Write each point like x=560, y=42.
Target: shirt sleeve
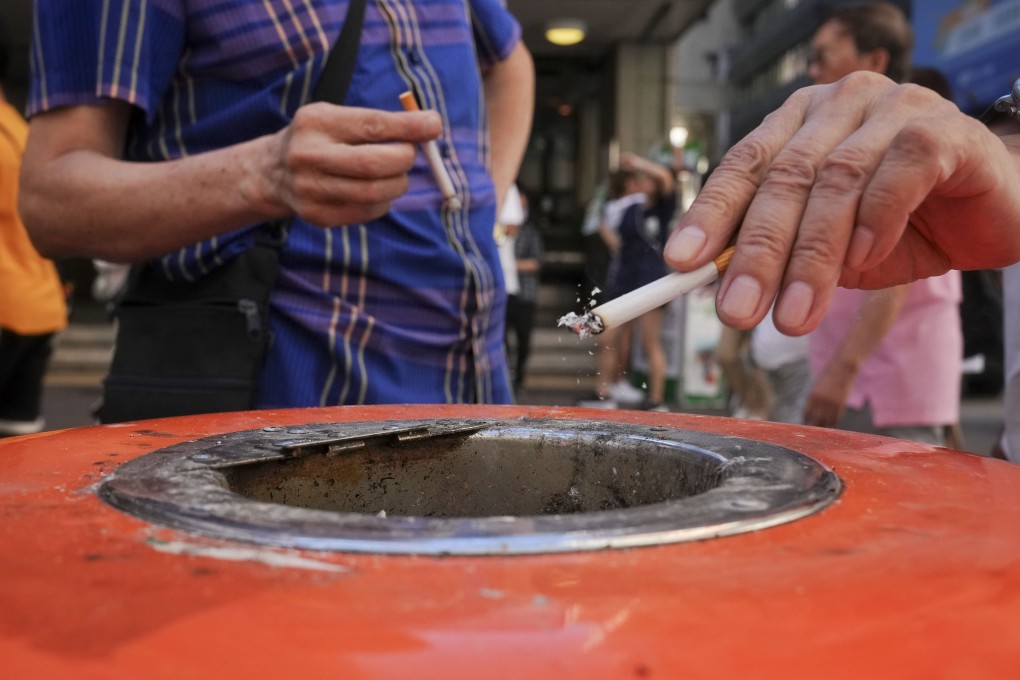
x=85, y=51
x=496, y=30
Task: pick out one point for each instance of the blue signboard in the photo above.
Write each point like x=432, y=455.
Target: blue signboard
x=976, y=43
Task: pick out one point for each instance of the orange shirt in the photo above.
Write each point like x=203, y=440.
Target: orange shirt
x=31, y=297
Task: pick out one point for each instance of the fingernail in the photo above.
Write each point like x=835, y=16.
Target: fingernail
x=685, y=244
x=794, y=305
x=741, y=298
x=861, y=243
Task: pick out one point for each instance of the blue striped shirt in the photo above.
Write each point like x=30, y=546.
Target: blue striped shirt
x=407, y=308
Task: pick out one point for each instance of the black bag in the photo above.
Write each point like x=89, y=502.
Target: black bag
x=184, y=348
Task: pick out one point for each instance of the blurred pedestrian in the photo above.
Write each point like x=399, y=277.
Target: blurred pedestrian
x=1008, y=444
x=784, y=361
x=521, y=306
x=596, y=253
x=612, y=352
x=32, y=304
x=643, y=230
x=750, y=396
x=885, y=361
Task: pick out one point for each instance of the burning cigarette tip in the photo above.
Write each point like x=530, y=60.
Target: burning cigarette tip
x=583, y=325
x=631, y=305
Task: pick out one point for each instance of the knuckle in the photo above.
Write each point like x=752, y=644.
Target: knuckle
x=712, y=200
x=915, y=96
x=846, y=168
x=307, y=117
x=801, y=97
x=792, y=170
x=748, y=159
x=818, y=251
x=859, y=82
x=306, y=188
x=373, y=127
x=299, y=154
x=299, y=157
x=302, y=119
x=716, y=199
x=884, y=199
x=917, y=140
x=764, y=243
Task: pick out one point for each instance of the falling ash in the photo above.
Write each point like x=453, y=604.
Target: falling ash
x=584, y=325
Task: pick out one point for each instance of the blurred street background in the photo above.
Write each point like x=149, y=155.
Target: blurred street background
x=661, y=78
x=561, y=372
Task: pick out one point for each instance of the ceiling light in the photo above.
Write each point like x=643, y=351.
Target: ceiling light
x=678, y=137
x=565, y=31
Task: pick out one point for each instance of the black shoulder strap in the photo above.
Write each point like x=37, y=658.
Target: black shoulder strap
x=336, y=74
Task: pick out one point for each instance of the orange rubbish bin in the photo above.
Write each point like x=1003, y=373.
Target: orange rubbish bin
x=502, y=542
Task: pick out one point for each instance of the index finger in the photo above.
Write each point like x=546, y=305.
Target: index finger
x=796, y=231
x=355, y=125
x=718, y=210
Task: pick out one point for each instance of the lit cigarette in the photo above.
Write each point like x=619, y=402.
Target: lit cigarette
x=630, y=306
x=435, y=160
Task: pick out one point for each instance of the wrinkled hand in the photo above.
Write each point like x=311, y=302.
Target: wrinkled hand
x=862, y=183
x=341, y=165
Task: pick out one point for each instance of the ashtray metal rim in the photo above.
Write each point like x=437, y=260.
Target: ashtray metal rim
x=774, y=485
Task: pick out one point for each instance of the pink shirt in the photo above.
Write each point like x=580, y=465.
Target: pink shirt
x=913, y=376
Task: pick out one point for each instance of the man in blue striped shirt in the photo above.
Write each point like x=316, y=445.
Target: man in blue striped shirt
x=168, y=131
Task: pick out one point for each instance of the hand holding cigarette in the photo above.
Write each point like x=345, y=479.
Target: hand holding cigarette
x=431, y=150
x=630, y=306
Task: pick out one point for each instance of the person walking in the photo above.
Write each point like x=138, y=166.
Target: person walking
x=643, y=230
x=522, y=305
x=886, y=361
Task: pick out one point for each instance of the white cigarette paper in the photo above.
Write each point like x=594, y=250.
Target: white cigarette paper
x=439, y=170
x=642, y=300
x=434, y=158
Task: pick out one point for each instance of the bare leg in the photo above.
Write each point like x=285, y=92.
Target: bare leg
x=727, y=353
x=607, y=359
x=651, y=329
x=747, y=383
x=624, y=340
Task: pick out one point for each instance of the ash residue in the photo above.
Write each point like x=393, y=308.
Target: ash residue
x=583, y=325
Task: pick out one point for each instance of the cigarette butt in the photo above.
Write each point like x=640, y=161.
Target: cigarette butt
x=431, y=149
x=722, y=260
x=409, y=102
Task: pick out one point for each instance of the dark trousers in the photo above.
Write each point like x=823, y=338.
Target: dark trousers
x=23, y=360
x=520, y=319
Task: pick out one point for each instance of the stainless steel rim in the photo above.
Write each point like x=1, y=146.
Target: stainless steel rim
x=745, y=485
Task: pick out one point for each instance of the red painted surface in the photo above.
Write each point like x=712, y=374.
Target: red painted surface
x=913, y=573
